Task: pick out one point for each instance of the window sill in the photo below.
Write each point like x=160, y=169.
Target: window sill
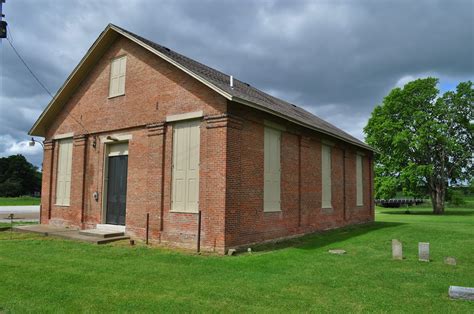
x=272, y=211
x=183, y=212
x=115, y=96
x=61, y=205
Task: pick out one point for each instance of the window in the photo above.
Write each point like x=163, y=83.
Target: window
x=326, y=177
x=272, y=170
x=359, y=182
x=117, y=76
x=186, y=143
x=63, y=178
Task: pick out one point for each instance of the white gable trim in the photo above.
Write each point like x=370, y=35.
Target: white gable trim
x=108, y=29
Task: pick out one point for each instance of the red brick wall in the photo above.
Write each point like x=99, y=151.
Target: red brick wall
x=247, y=223
x=231, y=161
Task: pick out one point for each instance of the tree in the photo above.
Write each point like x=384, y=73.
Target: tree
x=18, y=176
x=424, y=141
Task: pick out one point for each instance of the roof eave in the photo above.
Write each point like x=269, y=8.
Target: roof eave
x=309, y=126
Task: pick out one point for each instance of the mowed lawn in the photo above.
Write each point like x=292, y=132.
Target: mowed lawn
x=50, y=275
x=19, y=201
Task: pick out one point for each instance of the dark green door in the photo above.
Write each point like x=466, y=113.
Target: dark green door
x=117, y=190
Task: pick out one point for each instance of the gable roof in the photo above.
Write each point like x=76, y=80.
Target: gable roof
x=241, y=92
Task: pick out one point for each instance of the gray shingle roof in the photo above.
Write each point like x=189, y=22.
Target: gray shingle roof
x=251, y=94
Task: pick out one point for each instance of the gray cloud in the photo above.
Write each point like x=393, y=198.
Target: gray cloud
x=335, y=58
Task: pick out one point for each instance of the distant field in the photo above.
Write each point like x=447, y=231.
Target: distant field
x=19, y=201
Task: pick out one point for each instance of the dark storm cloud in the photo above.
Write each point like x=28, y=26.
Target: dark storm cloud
x=335, y=58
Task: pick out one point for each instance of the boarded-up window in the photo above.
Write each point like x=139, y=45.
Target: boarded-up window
x=63, y=177
x=326, y=177
x=117, y=76
x=186, y=137
x=359, y=182
x=272, y=170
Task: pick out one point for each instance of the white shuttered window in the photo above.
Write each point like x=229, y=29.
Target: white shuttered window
x=359, y=182
x=272, y=170
x=63, y=176
x=186, y=143
x=326, y=177
x=117, y=76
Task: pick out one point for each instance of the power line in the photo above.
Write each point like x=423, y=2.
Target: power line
x=38, y=80
x=26, y=65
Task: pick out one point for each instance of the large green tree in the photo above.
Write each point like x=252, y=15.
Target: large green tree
x=424, y=140
x=18, y=177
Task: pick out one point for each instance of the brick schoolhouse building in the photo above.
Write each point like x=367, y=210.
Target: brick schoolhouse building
x=139, y=129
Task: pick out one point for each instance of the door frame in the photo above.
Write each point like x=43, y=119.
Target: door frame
x=108, y=142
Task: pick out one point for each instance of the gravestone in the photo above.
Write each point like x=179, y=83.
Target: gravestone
x=465, y=293
x=397, y=249
x=450, y=260
x=424, y=251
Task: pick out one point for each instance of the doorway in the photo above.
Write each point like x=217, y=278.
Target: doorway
x=116, y=184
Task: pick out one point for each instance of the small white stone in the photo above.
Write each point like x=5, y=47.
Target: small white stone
x=249, y=250
x=337, y=251
x=465, y=293
x=397, y=249
x=424, y=251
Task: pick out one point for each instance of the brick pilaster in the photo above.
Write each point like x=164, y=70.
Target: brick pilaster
x=218, y=185
x=47, y=182
x=155, y=177
x=78, y=177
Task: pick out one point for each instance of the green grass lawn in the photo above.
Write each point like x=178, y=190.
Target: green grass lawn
x=50, y=275
x=19, y=201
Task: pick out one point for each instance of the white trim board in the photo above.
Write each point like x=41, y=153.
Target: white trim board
x=185, y=116
x=63, y=136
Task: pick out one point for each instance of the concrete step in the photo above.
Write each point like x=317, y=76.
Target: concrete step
x=101, y=233
x=75, y=235
x=108, y=240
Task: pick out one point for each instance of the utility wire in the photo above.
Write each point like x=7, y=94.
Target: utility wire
x=38, y=80
x=26, y=65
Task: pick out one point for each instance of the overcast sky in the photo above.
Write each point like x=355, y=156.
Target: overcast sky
x=337, y=59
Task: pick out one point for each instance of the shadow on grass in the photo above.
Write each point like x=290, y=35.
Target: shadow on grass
x=320, y=239
x=430, y=213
